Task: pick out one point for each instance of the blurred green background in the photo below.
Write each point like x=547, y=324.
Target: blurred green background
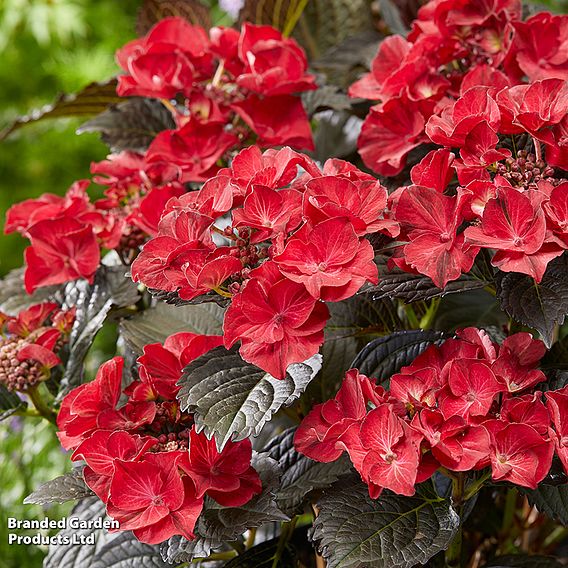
x=48, y=47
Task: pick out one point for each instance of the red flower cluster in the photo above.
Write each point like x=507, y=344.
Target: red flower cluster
x=463, y=406
x=67, y=233
x=30, y=342
x=290, y=243
x=229, y=84
x=517, y=207
x=454, y=46
x=144, y=459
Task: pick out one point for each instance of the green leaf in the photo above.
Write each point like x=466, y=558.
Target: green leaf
x=220, y=524
x=353, y=531
x=552, y=500
x=265, y=555
x=152, y=11
x=94, y=301
x=155, y=324
x=385, y=356
x=232, y=399
x=301, y=475
x=94, y=98
x=130, y=125
x=68, y=487
x=540, y=306
x=524, y=561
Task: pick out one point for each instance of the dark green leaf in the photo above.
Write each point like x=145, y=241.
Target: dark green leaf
x=327, y=97
x=220, y=524
x=10, y=402
x=94, y=301
x=126, y=551
x=68, y=487
x=522, y=561
x=353, y=323
x=391, y=16
x=349, y=58
x=173, y=298
x=415, y=287
x=265, y=555
x=130, y=125
x=557, y=356
x=336, y=135
x=552, y=500
x=152, y=11
x=353, y=531
x=300, y=474
x=178, y=549
x=232, y=399
x=77, y=555
x=14, y=298
x=384, y=356
x=476, y=308
x=156, y=324
x=540, y=306
x=94, y=98
x=327, y=23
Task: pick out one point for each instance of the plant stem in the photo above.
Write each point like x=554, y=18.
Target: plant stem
x=291, y=23
x=509, y=513
x=428, y=319
x=411, y=316
x=454, y=552
x=250, y=538
x=227, y=555
x=287, y=531
x=476, y=485
x=40, y=405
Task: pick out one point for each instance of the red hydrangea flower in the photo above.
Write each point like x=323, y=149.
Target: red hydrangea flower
x=225, y=476
x=456, y=444
x=431, y=221
x=164, y=62
x=162, y=365
x=456, y=121
x=519, y=454
x=21, y=216
x=319, y=434
x=388, y=134
x=329, y=260
x=61, y=250
x=274, y=65
x=557, y=404
x=277, y=321
x=514, y=224
x=151, y=499
x=194, y=149
x=393, y=451
x=361, y=201
x=540, y=46
x=289, y=125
